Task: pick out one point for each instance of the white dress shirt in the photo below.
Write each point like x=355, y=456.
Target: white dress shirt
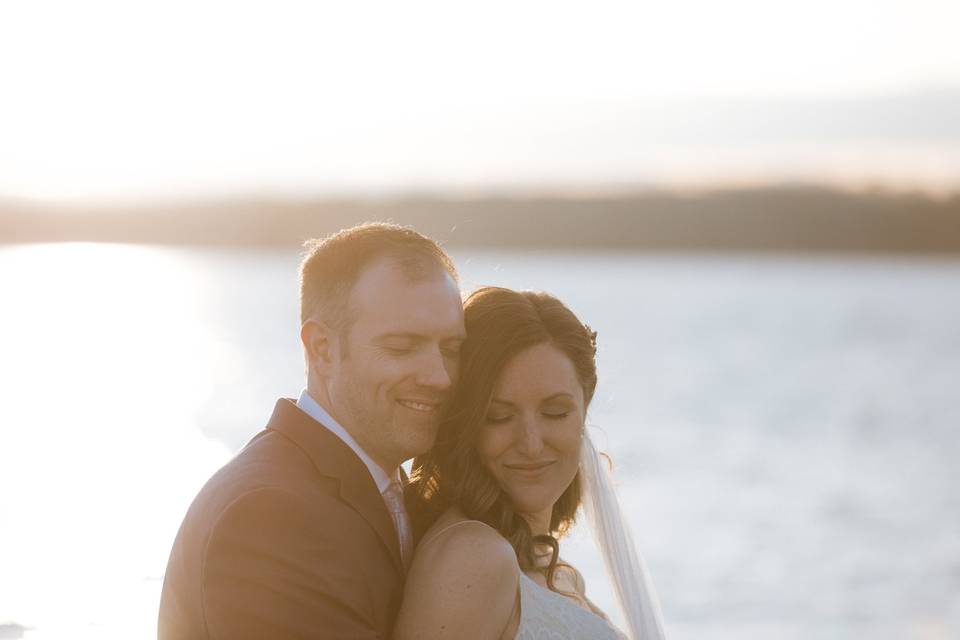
x=384, y=482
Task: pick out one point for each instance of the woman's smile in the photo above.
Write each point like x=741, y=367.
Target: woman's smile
x=530, y=470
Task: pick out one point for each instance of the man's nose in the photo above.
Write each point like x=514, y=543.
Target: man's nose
x=433, y=371
x=530, y=438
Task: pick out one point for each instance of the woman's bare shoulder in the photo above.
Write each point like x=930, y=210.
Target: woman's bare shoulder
x=463, y=583
x=453, y=525
x=455, y=538
x=579, y=586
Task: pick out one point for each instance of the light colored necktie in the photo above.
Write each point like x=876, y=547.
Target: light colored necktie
x=393, y=497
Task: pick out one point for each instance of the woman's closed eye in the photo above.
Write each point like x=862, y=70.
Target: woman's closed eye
x=502, y=418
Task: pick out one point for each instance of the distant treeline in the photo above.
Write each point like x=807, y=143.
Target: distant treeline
x=772, y=219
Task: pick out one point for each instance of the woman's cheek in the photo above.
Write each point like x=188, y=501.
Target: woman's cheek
x=491, y=445
x=568, y=438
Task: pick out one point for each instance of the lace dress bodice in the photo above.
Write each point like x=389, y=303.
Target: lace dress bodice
x=547, y=615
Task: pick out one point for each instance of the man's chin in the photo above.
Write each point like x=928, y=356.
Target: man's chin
x=421, y=442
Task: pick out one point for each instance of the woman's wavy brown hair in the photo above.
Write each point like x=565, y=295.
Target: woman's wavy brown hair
x=500, y=324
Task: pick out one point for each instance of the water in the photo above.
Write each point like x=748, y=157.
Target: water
x=784, y=428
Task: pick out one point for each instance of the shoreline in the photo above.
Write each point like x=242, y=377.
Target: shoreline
x=802, y=219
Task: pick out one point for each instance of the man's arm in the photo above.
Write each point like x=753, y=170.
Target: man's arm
x=274, y=568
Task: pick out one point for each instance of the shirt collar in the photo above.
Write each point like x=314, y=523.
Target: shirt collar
x=312, y=408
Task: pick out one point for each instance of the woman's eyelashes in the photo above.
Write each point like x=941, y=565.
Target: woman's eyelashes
x=503, y=418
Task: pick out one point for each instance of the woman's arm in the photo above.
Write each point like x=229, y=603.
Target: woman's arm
x=463, y=584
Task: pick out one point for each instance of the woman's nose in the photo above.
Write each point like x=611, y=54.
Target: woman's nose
x=530, y=436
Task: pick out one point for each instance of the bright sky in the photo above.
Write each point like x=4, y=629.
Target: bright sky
x=125, y=98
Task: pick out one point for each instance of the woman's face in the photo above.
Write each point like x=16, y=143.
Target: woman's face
x=530, y=441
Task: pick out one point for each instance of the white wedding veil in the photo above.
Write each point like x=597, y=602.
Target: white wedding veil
x=627, y=572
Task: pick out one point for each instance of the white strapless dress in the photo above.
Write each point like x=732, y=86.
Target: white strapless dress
x=547, y=615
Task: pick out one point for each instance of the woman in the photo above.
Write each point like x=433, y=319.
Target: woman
x=504, y=480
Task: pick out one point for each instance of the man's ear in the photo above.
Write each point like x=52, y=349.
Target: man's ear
x=320, y=344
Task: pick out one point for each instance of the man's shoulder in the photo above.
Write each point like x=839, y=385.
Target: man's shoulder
x=266, y=529
x=270, y=463
x=269, y=489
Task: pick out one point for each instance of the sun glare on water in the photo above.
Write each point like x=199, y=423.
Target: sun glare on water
x=104, y=365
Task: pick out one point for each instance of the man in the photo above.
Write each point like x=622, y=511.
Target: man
x=303, y=534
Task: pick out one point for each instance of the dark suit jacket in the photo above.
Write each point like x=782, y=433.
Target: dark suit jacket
x=291, y=539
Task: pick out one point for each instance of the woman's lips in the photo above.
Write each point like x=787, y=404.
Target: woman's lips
x=529, y=469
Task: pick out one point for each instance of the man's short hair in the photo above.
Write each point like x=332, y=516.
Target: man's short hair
x=333, y=264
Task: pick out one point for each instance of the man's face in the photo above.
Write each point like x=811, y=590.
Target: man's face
x=394, y=371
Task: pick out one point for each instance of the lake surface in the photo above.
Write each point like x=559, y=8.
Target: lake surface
x=785, y=429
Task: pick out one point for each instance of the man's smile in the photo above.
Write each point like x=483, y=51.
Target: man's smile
x=417, y=405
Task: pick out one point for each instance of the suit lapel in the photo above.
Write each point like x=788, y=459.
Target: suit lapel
x=333, y=458
x=369, y=503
